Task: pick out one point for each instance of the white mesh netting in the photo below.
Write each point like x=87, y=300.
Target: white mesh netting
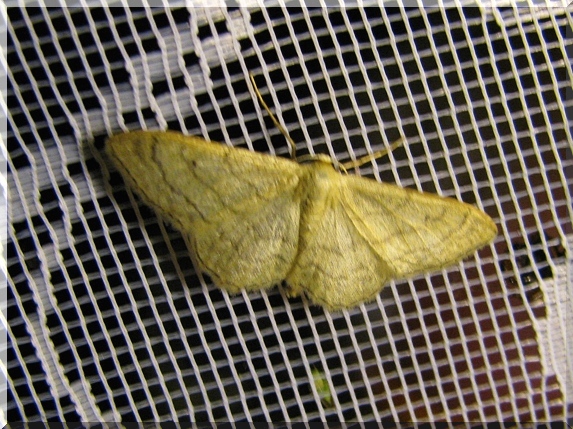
x=107, y=318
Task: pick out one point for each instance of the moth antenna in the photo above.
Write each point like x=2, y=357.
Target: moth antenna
x=371, y=156
x=275, y=120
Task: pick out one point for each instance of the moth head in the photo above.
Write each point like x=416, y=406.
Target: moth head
x=322, y=160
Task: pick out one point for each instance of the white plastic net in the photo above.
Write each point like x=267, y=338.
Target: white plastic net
x=107, y=318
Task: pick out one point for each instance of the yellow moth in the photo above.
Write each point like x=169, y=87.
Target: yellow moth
x=255, y=220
